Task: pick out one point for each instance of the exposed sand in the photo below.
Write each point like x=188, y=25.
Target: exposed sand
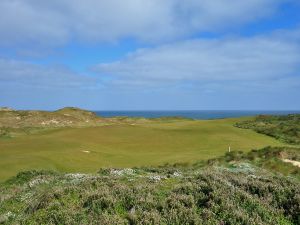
x=86, y=151
x=295, y=163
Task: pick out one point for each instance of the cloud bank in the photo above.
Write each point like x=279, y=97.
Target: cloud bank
x=211, y=64
x=56, y=22
x=38, y=76
x=251, y=60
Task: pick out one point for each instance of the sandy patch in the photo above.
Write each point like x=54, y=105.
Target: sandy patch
x=86, y=151
x=295, y=163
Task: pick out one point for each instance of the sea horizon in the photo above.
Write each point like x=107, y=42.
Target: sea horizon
x=193, y=114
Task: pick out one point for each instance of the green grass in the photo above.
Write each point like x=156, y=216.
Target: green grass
x=154, y=143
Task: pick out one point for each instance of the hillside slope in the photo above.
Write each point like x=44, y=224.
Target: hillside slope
x=68, y=116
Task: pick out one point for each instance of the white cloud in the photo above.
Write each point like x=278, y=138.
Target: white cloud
x=58, y=21
x=29, y=74
x=250, y=61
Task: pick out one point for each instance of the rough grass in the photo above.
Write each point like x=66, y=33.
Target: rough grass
x=285, y=128
x=128, y=144
x=168, y=195
x=270, y=158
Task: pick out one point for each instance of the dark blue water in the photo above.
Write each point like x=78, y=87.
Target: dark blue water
x=194, y=114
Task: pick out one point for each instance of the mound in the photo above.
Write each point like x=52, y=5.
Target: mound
x=60, y=118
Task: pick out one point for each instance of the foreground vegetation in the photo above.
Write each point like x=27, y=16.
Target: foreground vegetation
x=227, y=190
x=284, y=128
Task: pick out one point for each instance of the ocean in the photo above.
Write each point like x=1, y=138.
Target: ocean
x=194, y=114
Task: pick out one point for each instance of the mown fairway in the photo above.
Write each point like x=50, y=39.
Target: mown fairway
x=156, y=143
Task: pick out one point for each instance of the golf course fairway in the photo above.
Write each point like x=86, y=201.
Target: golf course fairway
x=126, y=145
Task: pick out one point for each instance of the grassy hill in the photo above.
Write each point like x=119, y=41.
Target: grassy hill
x=68, y=116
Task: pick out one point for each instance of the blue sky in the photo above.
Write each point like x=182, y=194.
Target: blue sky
x=150, y=54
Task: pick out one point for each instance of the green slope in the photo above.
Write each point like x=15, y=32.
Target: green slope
x=126, y=145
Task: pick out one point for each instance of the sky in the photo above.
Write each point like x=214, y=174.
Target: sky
x=150, y=54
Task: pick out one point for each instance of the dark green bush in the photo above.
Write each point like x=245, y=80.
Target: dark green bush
x=285, y=128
